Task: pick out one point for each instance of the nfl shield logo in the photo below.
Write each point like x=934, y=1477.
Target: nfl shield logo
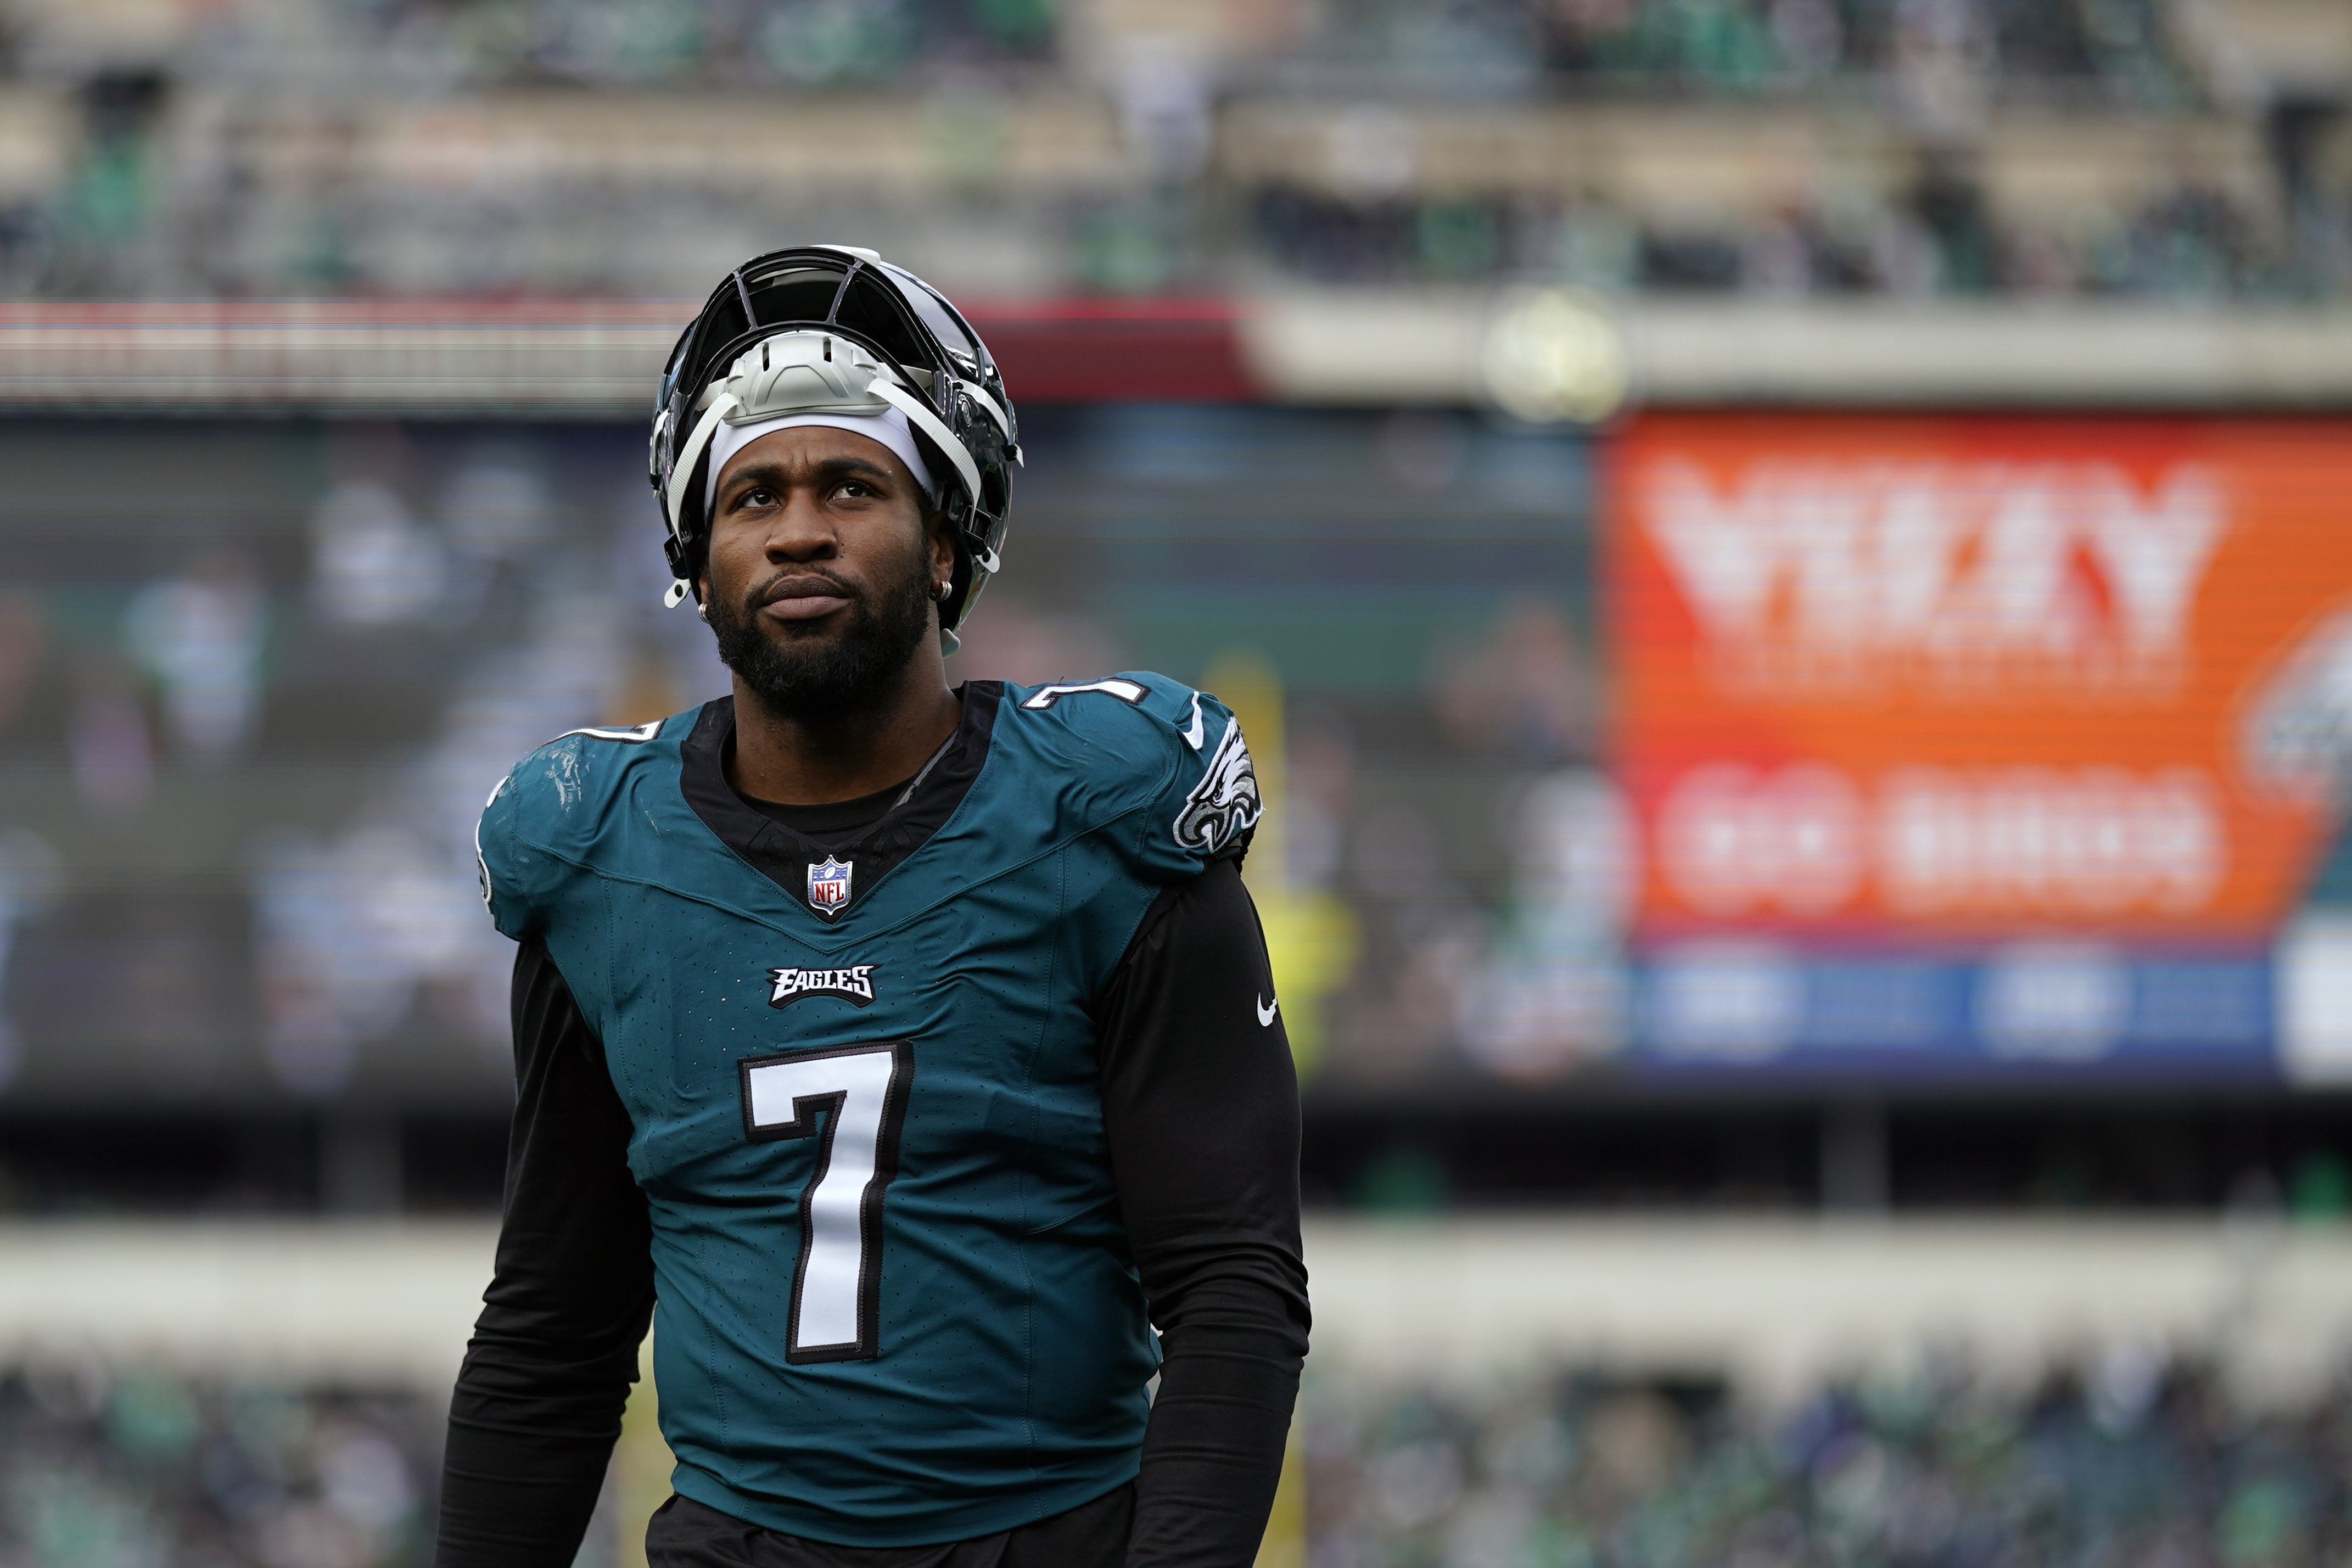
x=828, y=891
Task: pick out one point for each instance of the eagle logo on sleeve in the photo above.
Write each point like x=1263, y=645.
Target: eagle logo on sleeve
x=1225, y=801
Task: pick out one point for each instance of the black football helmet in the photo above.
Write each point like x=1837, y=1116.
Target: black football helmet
x=898, y=336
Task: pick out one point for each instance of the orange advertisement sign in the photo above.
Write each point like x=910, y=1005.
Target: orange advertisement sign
x=1954, y=678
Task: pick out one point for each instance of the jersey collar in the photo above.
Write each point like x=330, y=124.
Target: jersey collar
x=784, y=856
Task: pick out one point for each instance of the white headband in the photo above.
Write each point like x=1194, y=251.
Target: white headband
x=889, y=428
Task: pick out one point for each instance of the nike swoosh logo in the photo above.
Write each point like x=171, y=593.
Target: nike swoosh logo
x=1199, y=731
x=1266, y=1012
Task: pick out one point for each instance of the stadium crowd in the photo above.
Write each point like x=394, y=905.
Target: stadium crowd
x=2130, y=1460
x=140, y=1468
x=1041, y=148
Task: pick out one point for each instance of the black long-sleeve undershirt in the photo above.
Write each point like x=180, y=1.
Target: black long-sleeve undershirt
x=1201, y=1114
x=539, y=1398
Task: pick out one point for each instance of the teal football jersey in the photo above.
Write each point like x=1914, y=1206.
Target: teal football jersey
x=895, y=1304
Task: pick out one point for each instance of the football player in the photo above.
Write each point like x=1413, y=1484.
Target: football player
x=905, y=1054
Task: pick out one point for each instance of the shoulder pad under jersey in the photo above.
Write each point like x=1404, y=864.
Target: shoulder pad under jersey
x=551, y=802
x=1182, y=748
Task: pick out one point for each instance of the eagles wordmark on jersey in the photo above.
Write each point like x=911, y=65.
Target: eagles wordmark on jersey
x=853, y=985
x=893, y=1302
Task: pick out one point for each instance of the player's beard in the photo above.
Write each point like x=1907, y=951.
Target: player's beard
x=811, y=676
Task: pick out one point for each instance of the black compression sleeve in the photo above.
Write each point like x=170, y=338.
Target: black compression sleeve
x=1201, y=1107
x=539, y=1399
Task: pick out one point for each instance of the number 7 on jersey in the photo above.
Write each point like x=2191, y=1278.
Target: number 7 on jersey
x=853, y=1103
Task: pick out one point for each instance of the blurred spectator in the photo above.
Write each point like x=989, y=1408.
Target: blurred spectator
x=113, y=761
x=1321, y=790
x=1941, y=61
x=31, y=876
x=498, y=506
x=1551, y=990
x=1526, y=690
x=1418, y=935
x=372, y=563
x=144, y=1468
x=200, y=636
x=348, y=932
x=2127, y=1461
x=24, y=642
x=104, y=214
x=1707, y=45
x=1951, y=207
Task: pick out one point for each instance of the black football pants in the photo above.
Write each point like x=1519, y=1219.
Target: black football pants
x=685, y=1534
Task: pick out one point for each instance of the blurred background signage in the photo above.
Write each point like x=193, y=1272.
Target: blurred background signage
x=1986, y=739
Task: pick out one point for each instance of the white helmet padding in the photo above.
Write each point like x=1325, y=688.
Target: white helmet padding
x=810, y=373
